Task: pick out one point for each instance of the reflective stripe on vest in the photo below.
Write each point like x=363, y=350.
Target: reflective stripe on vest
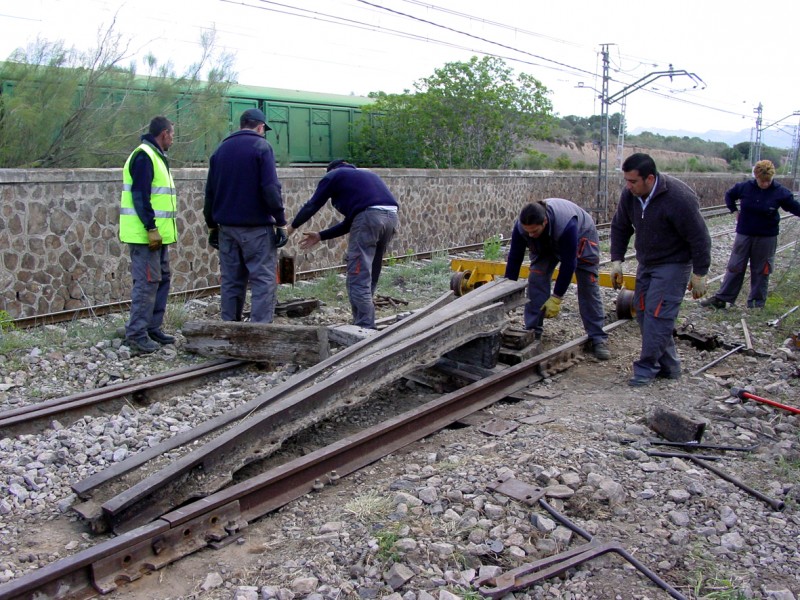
x=163, y=200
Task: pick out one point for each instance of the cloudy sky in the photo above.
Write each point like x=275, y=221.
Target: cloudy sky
x=734, y=54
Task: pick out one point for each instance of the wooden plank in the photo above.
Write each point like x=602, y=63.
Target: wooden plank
x=259, y=342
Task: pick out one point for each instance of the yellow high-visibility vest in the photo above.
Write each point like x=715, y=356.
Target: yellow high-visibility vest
x=163, y=199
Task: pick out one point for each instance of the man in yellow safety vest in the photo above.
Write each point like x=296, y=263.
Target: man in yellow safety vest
x=147, y=224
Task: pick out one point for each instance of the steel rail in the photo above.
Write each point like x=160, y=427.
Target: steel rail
x=113, y=307
x=221, y=517
x=15, y=418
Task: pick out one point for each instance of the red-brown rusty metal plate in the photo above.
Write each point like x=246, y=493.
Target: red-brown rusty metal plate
x=157, y=552
x=519, y=490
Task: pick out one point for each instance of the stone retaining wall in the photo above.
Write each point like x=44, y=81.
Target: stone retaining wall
x=59, y=246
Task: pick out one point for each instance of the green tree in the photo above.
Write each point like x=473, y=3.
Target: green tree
x=466, y=115
x=64, y=108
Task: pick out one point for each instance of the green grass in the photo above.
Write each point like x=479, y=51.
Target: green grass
x=707, y=582
x=176, y=316
x=65, y=336
x=386, y=542
x=492, y=248
x=414, y=283
x=329, y=289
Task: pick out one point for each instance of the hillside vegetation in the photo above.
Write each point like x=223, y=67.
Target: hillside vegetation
x=573, y=144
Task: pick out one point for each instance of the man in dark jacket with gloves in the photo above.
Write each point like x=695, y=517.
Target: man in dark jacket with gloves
x=370, y=217
x=673, y=249
x=559, y=231
x=246, y=220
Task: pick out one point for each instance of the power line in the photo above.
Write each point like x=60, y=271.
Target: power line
x=477, y=37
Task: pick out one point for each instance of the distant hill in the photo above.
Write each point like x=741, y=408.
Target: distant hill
x=587, y=154
x=770, y=138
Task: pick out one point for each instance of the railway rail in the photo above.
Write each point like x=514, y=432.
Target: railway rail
x=141, y=391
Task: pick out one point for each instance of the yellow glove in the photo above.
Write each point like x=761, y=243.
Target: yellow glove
x=697, y=285
x=552, y=307
x=617, y=281
x=153, y=239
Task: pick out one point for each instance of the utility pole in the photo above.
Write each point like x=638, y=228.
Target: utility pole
x=757, y=145
x=601, y=202
x=621, y=137
x=601, y=199
x=794, y=160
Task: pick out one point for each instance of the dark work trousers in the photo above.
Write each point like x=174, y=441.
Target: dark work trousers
x=760, y=253
x=151, y=280
x=370, y=235
x=248, y=254
x=657, y=299
x=590, y=302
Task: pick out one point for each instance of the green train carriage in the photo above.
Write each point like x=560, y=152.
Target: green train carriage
x=307, y=127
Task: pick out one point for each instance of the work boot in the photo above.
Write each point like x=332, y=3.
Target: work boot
x=640, y=381
x=714, y=302
x=664, y=374
x=162, y=338
x=601, y=351
x=142, y=345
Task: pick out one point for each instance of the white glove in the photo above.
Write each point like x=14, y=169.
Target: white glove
x=617, y=280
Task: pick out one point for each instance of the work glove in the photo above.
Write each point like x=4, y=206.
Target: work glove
x=617, y=281
x=213, y=238
x=153, y=239
x=552, y=307
x=698, y=286
x=281, y=237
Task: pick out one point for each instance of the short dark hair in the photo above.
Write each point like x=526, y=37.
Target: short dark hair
x=533, y=214
x=335, y=164
x=642, y=163
x=159, y=124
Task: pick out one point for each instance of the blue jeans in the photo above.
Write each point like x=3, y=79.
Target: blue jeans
x=151, y=281
x=248, y=255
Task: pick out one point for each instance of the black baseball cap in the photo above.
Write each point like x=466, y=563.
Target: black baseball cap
x=254, y=114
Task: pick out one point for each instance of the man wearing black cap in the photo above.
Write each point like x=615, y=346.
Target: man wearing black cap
x=370, y=217
x=245, y=217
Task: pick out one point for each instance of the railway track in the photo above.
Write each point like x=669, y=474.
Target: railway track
x=25, y=419
x=222, y=516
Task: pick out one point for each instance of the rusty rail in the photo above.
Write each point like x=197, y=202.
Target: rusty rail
x=138, y=390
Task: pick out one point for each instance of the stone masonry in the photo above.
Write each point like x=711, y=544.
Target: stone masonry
x=59, y=245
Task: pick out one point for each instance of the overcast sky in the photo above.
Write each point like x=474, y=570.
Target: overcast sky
x=738, y=54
